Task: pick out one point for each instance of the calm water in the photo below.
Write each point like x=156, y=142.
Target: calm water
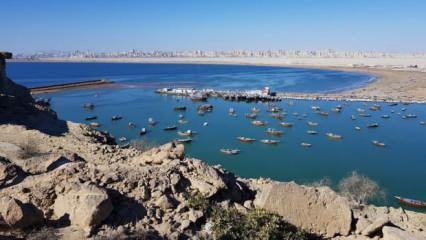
x=400, y=167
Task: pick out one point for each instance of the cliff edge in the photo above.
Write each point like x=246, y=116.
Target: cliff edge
x=77, y=184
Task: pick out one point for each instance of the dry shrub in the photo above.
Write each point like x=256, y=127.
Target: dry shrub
x=360, y=188
x=29, y=148
x=323, y=182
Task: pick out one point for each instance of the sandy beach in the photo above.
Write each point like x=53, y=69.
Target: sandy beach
x=396, y=78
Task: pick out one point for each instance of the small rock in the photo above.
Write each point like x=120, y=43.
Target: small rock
x=185, y=224
x=165, y=202
x=376, y=226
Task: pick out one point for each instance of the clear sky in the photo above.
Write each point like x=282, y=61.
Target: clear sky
x=101, y=25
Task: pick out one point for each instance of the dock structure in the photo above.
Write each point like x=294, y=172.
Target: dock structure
x=228, y=95
x=267, y=96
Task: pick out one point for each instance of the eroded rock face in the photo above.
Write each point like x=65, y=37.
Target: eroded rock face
x=19, y=215
x=85, y=205
x=163, y=154
x=317, y=210
x=393, y=233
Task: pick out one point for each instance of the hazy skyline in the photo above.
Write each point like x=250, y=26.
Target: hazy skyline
x=29, y=26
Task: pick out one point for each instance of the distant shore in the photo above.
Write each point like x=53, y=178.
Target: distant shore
x=397, y=79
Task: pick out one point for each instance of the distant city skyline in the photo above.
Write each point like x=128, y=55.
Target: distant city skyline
x=382, y=26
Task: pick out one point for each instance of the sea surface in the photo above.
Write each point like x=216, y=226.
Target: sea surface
x=399, y=168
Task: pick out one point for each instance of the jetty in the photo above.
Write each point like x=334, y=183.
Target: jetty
x=72, y=85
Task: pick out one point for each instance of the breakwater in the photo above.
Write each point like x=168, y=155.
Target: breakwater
x=67, y=86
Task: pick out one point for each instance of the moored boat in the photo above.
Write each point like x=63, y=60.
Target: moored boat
x=230, y=151
x=116, y=117
x=274, y=109
x=357, y=128
x=246, y=139
x=186, y=133
x=182, y=121
x=411, y=202
x=373, y=125
x=364, y=115
x=251, y=115
x=179, y=108
x=151, y=121
x=311, y=132
x=205, y=107
x=353, y=117
x=377, y=143
x=184, y=140
x=95, y=124
x=333, y=136
x=277, y=116
x=312, y=124
x=170, y=128
x=89, y=118
x=274, y=132
x=385, y=116
x=205, y=124
x=325, y=114
x=89, y=105
x=286, y=124
x=122, y=139
x=131, y=125
x=410, y=116
x=255, y=110
x=422, y=123
x=259, y=123
x=304, y=144
x=269, y=141
x=142, y=131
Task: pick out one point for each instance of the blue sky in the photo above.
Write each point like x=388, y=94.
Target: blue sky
x=100, y=25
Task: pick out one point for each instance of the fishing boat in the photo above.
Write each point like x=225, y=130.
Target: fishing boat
x=230, y=151
x=357, y=128
x=246, y=139
x=259, y=123
x=274, y=132
x=251, y=115
x=353, y=117
x=333, y=136
x=274, y=109
x=231, y=111
x=304, y=144
x=411, y=202
x=385, y=116
x=151, y=121
x=364, y=115
x=95, y=124
x=116, y=117
x=184, y=140
x=316, y=108
x=205, y=107
x=373, y=125
x=142, y=131
x=198, y=98
x=336, y=110
x=360, y=110
x=201, y=113
x=312, y=124
x=179, y=108
x=375, y=107
x=89, y=118
x=182, y=121
x=122, y=139
x=181, y=116
x=392, y=104
x=403, y=109
x=131, y=125
x=89, y=105
x=205, y=124
x=295, y=114
x=377, y=143
x=286, y=124
x=187, y=133
x=311, y=132
x=410, y=116
x=127, y=145
x=269, y=141
x=325, y=114
x=277, y=116
x=170, y=128
x=422, y=123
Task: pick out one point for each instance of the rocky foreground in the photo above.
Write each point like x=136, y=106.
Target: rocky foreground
x=64, y=180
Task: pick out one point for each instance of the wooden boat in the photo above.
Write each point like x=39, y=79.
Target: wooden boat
x=142, y=131
x=375, y=107
x=205, y=107
x=377, y=143
x=422, y=123
x=179, y=108
x=403, y=109
x=304, y=144
x=277, y=116
x=89, y=105
x=255, y=110
x=325, y=114
x=259, y=123
x=89, y=118
x=187, y=133
x=385, y=116
x=316, y=108
x=198, y=98
x=336, y=110
x=357, y=128
x=251, y=115
x=274, y=132
x=312, y=124
x=286, y=124
x=373, y=125
x=410, y=116
x=116, y=117
x=151, y=121
x=311, y=132
x=333, y=136
x=230, y=151
x=274, y=109
x=360, y=110
x=184, y=140
x=170, y=128
x=246, y=139
x=131, y=125
x=95, y=124
x=353, y=117
x=122, y=139
x=269, y=141
x=201, y=113
x=411, y=202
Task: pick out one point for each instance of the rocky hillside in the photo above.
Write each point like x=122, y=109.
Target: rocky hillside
x=64, y=180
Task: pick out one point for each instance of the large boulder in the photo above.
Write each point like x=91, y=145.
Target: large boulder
x=163, y=154
x=393, y=233
x=41, y=163
x=19, y=215
x=317, y=210
x=85, y=205
x=204, y=179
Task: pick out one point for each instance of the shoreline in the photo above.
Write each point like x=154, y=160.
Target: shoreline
x=390, y=84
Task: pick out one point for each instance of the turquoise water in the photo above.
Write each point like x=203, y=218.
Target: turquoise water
x=400, y=167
